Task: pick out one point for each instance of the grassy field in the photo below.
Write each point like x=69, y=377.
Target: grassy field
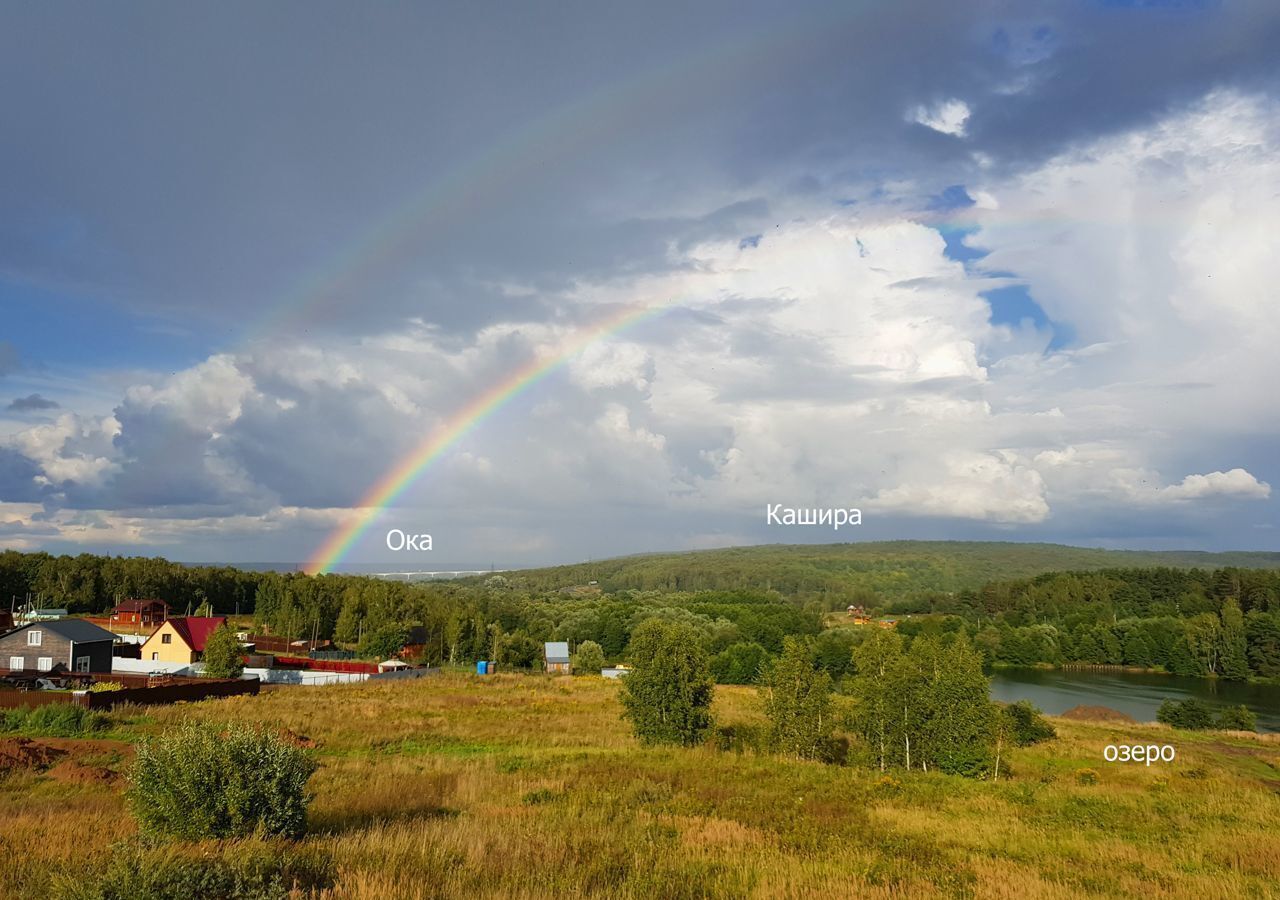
x=528, y=786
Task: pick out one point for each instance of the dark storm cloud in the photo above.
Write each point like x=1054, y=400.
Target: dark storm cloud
x=18, y=478
x=208, y=163
x=31, y=403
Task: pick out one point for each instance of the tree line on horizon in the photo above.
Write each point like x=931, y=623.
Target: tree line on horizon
x=1194, y=622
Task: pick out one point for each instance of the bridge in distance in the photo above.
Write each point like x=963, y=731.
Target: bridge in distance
x=430, y=576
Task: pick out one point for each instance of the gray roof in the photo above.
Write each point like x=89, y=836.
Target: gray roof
x=77, y=630
x=556, y=651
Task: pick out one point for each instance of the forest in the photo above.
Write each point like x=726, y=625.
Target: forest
x=1189, y=621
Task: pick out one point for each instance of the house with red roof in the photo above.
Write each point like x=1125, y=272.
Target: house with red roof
x=141, y=613
x=181, y=639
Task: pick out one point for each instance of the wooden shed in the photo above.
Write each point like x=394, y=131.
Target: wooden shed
x=556, y=657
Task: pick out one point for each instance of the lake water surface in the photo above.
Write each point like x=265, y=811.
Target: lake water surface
x=1137, y=693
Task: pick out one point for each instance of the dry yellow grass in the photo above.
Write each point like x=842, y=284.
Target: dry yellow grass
x=526, y=786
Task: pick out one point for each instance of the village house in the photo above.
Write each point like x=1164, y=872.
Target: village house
x=72, y=645
x=556, y=655
x=181, y=639
x=140, y=613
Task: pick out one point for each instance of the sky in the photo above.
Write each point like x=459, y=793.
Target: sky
x=985, y=271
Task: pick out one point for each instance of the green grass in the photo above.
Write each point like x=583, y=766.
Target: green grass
x=529, y=786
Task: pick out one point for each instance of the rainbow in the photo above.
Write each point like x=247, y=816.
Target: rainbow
x=409, y=468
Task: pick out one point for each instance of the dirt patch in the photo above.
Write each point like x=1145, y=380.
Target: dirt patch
x=22, y=753
x=289, y=736
x=1098, y=714
x=72, y=772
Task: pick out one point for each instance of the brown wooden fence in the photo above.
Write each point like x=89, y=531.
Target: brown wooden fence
x=196, y=689
x=138, y=689
x=22, y=699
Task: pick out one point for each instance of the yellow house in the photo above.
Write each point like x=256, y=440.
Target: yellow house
x=181, y=639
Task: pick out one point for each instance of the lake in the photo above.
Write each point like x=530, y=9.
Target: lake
x=1137, y=693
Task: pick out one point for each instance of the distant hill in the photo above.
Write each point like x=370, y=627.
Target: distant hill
x=889, y=568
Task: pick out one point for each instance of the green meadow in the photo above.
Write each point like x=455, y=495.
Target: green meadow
x=533, y=786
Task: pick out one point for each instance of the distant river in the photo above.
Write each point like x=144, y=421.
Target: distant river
x=1135, y=693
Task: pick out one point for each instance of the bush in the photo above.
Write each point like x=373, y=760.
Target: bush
x=1237, y=718
x=243, y=870
x=215, y=781
x=1192, y=714
x=53, y=720
x=589, y=659
x=1026, y=724
x=740, y=737
x=104, y=687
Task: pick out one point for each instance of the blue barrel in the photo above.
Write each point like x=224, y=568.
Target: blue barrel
x=482, y=668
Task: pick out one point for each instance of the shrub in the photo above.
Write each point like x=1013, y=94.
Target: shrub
x=1026, y=724
x=242, y=870
x=1086, y=777
x=53, y=720
x=1237, y=718
x=740, y=737
x=589, y=659
x=1191, y=714
x=215, y=781
x=102, y=687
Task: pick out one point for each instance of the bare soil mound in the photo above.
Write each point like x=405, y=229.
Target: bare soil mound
x=73, y=772
x=22, y=753
x=1098, y=714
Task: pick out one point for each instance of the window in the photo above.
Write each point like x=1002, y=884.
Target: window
x=155, y=656
x=17, y=663
x=82, y=664
x=44, y=663
x=35, y=638
x=166, y=639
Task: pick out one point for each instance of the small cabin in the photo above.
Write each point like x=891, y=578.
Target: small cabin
x=556, y=657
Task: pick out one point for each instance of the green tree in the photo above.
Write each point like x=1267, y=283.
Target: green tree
x=1191, y=714
x=876, y=662
x=739, y=664
x=222, y=657
x=347, y=628
x=925, y=708
x=1237, y=718
x=1263, y=632
x=1235, y=660
x=384, y=642
x=1027, y=724
x=956, y=736
x=797, y=702
x=1138, y=650
x=453, y=628
x=589, y=659
x=668, y=694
